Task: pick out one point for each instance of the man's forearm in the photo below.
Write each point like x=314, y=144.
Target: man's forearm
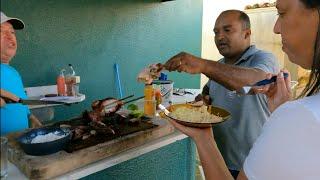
x=230, y=76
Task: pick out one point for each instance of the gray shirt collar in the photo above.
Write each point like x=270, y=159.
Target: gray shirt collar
x=250, y=51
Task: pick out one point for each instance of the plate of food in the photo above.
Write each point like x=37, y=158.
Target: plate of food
x=196, y=116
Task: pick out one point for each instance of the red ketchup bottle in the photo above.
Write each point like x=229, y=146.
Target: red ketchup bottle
x=61, y=84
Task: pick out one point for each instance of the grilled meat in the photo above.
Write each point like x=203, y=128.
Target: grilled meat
x=103, y=108
x=150, y=73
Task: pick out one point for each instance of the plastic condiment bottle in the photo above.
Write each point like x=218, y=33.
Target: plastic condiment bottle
x=76, y=85
x=71, y=82
x=148, y=92
x=61, y=84
x=157, y=95
x=149, y=103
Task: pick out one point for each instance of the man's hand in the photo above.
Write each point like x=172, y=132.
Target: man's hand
x=184, y=62
x=6, y=94
x=198, y=98
x=205, y=98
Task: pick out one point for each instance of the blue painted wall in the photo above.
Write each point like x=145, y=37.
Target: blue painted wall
x=94, y=34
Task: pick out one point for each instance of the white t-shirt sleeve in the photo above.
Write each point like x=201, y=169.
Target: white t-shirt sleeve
x=289, y=146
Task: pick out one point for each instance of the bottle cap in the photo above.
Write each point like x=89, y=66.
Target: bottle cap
x=72, y=70
x=163, y=77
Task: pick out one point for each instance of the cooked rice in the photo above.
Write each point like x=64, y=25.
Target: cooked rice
x=47, y=137
x=195, y=115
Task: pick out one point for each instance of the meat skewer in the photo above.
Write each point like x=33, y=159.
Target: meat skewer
x=132, y=100
x=105, y=108
x=100, y=104
x=94, y=121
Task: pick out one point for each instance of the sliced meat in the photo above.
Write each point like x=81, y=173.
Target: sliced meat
x=150, y=73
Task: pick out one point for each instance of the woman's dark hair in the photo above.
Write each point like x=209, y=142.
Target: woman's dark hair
x=311, y=3
x=313, y=85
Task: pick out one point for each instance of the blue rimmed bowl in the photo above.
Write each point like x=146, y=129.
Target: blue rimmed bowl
x=44, y=148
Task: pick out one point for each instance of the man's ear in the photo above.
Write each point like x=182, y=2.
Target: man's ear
x=247, y=33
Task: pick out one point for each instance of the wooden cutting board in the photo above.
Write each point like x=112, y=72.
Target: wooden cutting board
x=49, y=166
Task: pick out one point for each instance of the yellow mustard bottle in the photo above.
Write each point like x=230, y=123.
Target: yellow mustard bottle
x=149, y=103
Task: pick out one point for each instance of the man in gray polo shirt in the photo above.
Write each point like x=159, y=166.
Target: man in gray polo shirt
x=243, y=64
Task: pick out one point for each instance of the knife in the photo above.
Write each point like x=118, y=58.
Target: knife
x=246, y=89
x=32, y=102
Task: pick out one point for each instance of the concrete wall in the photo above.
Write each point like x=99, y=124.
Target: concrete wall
x=93, y=35
x=211, y=10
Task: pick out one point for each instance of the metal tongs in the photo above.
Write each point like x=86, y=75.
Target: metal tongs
x=115, y=103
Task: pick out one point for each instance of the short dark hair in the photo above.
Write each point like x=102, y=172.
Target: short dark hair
x=243, y=17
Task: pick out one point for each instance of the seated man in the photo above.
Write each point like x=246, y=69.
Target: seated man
x=14, y=117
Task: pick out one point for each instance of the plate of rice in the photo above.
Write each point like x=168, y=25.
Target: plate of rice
x=196, y=116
